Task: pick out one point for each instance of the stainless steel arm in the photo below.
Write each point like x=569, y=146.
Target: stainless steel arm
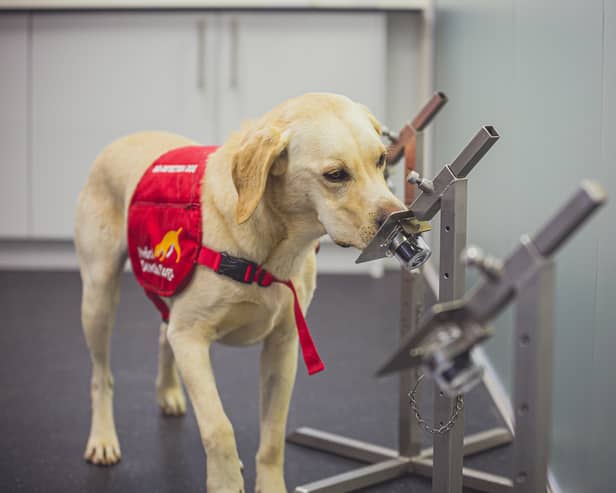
x=474, y=151
x=404, y=138
x=576, y=211
x=429, y=111
x=426, y=205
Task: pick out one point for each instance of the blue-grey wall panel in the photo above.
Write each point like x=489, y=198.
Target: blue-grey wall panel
x=601, y=420
x=558, y=123
x=474, y=53
x=535, y=69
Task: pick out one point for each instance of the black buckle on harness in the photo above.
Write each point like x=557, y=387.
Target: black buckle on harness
x=261, y=279
x=237, y=268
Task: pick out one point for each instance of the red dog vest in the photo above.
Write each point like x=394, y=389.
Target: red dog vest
x=165, y=238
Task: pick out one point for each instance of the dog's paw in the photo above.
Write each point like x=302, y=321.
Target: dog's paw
x=171, y=400
x=270, y=480
x=229, y=485
x=103, y=450
x=224, y=472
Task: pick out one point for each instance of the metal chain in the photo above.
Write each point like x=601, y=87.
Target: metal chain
x=443, y=429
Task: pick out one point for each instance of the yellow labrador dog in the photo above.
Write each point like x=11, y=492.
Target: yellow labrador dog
x=311, y=166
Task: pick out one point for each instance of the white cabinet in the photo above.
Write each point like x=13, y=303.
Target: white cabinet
x=14, y=204
x=98, y=76
x=269, y=57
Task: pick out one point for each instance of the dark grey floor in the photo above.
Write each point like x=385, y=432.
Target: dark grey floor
x=45, y=408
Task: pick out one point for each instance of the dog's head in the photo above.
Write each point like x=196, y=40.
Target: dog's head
x=319, y=159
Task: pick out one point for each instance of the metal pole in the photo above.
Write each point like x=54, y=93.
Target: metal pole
x=411, y=304
x=533, y=343
x=411, y=309
x=448, y=447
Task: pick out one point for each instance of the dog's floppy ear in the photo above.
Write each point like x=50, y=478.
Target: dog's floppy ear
x=375, y=123
x=260, y=151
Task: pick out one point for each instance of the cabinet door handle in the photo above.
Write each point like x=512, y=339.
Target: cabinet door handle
x=201, y=53
x=233, y=28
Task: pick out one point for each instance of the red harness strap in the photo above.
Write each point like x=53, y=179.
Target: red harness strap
x=160, y=305
x=248, y=272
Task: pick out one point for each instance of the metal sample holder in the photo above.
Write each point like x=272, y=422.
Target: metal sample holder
x=448, y=191
x=450, y=330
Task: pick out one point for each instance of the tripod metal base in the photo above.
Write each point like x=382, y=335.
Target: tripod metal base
x=387, y=464
x=395, y=468
x=367, y=452
x=359, y=478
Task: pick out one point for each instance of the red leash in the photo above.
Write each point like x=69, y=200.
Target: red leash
x=313, y=361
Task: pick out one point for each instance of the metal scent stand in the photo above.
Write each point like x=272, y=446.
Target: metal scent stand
x=446, y=193
x=449, y=193
x=450, y=330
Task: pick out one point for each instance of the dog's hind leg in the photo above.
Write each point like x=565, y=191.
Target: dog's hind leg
x=100, y=297
x=101, y=247
x=169, y=390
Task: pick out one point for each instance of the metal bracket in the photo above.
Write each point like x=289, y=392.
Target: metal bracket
x=428, y=203
x=395, y=222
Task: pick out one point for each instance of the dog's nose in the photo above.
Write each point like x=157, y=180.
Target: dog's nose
x=385, y=212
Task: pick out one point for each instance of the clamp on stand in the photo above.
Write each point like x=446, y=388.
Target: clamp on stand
x=450, y=330
x=446, y=192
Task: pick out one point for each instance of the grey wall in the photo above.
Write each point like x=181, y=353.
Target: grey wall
x=544, y=73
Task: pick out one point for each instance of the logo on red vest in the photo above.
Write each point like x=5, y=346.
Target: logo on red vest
x=163, y=250
x=169, y=244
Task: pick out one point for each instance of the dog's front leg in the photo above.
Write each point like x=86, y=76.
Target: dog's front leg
x=169, y=392
x=278, y=367
x=192, y=354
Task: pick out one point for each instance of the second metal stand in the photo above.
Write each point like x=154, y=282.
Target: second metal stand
x=532, y=393
x=450, y=330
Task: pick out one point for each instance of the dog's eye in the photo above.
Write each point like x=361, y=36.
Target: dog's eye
x=381, y=161
x=336, y=175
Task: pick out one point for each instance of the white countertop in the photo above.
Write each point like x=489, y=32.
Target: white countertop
x=403, y=5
